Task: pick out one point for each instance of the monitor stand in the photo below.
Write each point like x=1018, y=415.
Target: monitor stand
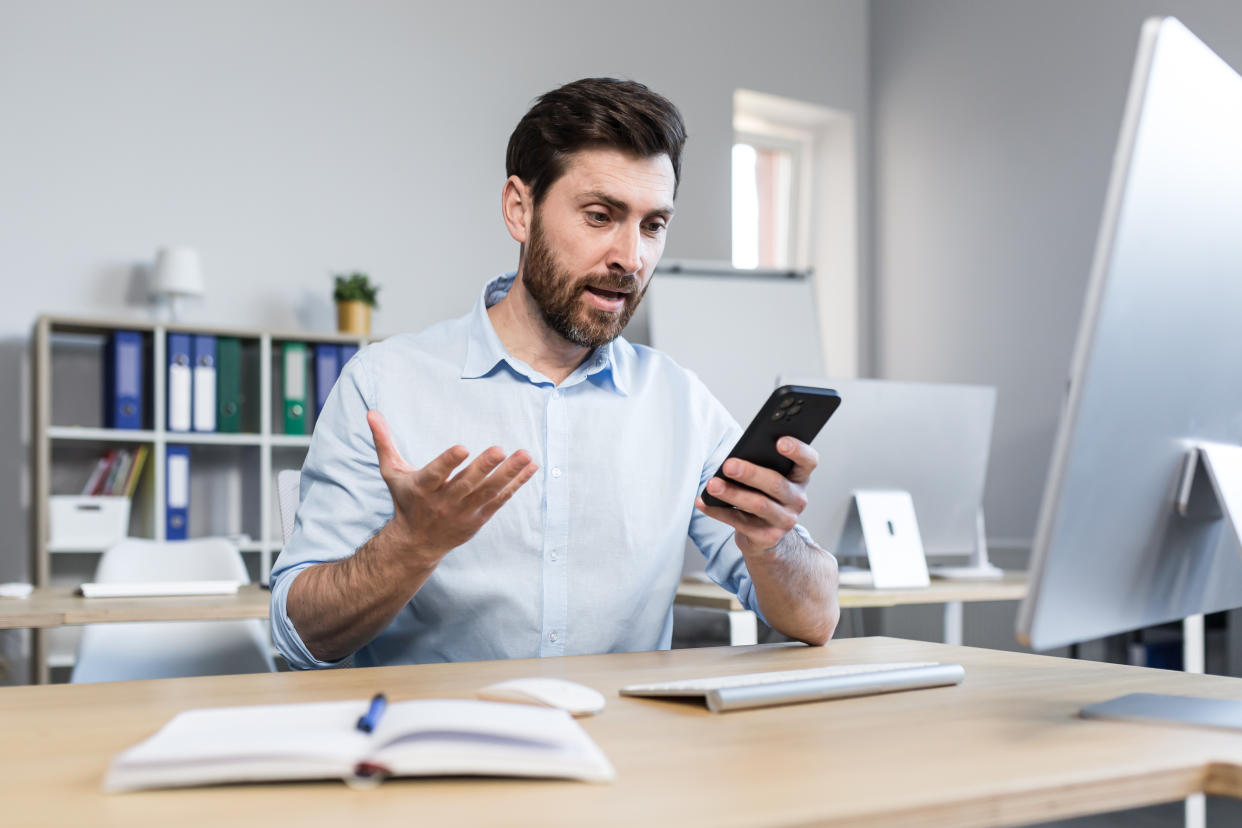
x=979, y=568
x=881, y=526
x=1210, y=490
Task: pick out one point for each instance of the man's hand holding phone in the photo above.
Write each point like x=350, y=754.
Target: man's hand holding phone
x=760, y=489
x=767, y=503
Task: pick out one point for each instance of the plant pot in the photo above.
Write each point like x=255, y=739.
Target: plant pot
x=353, y=317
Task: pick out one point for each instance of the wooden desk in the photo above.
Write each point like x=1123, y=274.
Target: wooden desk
x=1010, y=588
x=1004, y=747
x=58, y=607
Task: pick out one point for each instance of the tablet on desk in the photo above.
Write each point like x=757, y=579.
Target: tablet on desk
x=137, y=589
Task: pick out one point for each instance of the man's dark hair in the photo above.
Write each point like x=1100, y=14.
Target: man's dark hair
x=593, y=113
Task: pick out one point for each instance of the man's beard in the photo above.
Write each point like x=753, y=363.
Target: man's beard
x=559, y=296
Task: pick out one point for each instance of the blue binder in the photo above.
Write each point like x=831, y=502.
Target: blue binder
x=177, y=490
x=327, y=367
x=347, y=353
x=123, y=380
x=204, y=382
x=180, y=383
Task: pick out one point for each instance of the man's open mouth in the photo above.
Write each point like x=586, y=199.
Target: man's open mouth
x=608, y=294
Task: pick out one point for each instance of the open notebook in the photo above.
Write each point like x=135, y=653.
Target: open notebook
x=437, y=737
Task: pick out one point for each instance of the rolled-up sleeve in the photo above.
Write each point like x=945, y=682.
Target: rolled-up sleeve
x=343, y=502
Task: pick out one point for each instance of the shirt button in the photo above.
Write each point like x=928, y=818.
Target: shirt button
x=553, y=556
x=553, y=637
x=556, y=472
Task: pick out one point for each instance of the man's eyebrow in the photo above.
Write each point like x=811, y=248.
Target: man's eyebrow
x=618, y=204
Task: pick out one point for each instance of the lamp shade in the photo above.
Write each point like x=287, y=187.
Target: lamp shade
x=178, y=272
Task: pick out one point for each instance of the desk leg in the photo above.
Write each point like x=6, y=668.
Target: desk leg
x=1193, y=660
x=953, y=622
x=743, y=627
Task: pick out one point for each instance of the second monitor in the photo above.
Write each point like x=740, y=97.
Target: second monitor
x=928, y=439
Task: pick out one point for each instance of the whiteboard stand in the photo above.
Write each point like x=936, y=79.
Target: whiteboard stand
x=882, y=527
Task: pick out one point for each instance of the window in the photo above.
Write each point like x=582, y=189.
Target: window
x=795, y=207
x=764, y=202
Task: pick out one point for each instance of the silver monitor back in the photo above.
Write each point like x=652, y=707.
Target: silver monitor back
x=929, y=439
x=1157, y=365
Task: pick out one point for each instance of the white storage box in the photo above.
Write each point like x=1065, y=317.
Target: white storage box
x=80, y=522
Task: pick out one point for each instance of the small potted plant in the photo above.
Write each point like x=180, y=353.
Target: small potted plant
x=355, y=296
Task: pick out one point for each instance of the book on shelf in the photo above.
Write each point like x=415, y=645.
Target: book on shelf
x=123, y=380
x=177, y=493
x=293, y=387
x=116, y=473
x=326, y=740
x=327, y=369
x=140, y=458
x=95, y=482
x=229, y=396
x=180, y=383
x=204, y=374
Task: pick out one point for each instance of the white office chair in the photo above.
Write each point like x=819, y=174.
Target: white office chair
x=121, y=652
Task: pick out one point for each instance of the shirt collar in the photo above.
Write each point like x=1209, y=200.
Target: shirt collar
x=484, y=350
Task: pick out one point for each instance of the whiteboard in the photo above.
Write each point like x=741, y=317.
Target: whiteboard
x=737, y=332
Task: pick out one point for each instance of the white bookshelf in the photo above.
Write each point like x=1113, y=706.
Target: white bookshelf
x=68, y=436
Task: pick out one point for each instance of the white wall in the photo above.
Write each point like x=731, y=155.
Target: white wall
x=289, y=139
x=994, y=127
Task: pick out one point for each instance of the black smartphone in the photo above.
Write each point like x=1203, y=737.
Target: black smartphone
x=798, y=411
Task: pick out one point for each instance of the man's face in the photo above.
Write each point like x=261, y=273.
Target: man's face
x=595, y=240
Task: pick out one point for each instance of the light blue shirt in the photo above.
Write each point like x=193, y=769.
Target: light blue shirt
x=586, y=556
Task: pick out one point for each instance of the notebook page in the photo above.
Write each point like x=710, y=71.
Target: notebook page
x=456, y=737
x=319, y=732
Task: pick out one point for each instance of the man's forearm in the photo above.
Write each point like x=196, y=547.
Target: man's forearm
x=341, y=606
x=796, y=587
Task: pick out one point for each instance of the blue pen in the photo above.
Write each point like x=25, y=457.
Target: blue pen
x=368, y=722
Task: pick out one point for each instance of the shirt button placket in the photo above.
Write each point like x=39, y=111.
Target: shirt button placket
x=555, y=585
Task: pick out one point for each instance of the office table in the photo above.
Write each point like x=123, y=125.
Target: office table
x=1003, y=747
x=952, y=593
x=59, y=607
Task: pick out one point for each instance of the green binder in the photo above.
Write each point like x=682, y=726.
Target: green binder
x=293, y=381
x=228, y=385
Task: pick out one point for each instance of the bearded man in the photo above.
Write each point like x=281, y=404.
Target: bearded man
x=572, y=543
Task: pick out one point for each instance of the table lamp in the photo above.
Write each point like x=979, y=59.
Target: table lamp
x=178, y=273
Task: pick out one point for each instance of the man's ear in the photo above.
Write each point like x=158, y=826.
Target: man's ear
x=517, y=207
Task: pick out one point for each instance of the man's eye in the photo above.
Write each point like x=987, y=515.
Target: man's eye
x=655, y=227
x=597, y=217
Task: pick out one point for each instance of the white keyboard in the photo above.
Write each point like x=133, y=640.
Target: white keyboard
x=135, y=589
x=789, y=686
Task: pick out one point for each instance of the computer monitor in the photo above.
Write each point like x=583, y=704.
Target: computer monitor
x=1134, y=528
x=928, y=439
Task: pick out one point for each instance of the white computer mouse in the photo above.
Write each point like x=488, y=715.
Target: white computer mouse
x=575, y=699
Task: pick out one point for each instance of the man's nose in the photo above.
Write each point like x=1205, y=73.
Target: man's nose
x=627, y=250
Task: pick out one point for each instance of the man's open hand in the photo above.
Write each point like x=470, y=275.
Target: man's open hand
x=437, y=514
x=765, y=516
